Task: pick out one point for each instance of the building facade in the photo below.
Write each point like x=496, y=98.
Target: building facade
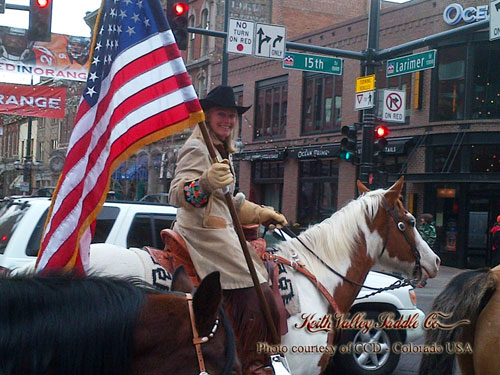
x=448, y=147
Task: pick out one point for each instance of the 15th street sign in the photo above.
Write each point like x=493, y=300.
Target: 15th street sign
x=412, y=63
x=313, y=63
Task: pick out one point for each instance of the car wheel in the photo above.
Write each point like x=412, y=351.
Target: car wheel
x=376, y=358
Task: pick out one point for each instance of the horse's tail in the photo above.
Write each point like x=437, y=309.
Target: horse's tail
x=464, y=297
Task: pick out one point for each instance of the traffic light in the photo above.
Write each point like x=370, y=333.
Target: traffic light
x=348, y=144
x=177, y=15
x=40, y=20
x=381, y=132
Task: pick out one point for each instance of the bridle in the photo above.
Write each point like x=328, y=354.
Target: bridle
x=393, y=212
x=197, y=340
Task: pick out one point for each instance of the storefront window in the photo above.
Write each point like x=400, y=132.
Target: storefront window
x=268, y=180
x=445, y=159
x=322, y=103
x=318, y=191
x=485, y=159
x=271, y=107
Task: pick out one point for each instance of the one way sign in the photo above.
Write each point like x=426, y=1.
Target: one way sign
x=364, y=100
x=270, y=41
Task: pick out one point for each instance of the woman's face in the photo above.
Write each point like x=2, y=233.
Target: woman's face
x=222, y=121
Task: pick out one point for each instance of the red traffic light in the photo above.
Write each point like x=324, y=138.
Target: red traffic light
x=179, y=8
x=381, y=131
x=42, y=3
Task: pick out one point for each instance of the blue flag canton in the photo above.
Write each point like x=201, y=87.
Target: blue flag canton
x=124, y=23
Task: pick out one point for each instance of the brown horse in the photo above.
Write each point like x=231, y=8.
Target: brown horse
x=72, y=325
x=473, y=296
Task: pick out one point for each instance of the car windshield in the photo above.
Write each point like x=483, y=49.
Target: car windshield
x=11, y=214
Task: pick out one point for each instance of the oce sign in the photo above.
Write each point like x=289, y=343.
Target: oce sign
x=454, y=13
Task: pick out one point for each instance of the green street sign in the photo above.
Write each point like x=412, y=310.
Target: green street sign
x=412, y=63
x=313, y=63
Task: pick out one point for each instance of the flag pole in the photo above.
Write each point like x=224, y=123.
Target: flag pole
x=241, y=236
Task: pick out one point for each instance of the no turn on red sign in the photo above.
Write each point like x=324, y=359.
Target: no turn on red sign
x=240, y=38
x=394, y=106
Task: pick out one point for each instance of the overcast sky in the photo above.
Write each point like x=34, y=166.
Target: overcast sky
x=67, y=16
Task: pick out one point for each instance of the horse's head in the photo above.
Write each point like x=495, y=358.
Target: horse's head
x=210, y=327
x=398, y=242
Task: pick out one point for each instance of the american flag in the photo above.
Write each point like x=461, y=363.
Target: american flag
x=137, y=92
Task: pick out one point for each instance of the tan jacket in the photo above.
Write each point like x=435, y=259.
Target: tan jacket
x=208, y=231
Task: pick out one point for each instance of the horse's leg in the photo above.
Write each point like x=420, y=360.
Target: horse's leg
x=487, y=338
x=250, y=326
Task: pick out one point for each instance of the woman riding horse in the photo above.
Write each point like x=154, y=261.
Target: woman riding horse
x=205, y=223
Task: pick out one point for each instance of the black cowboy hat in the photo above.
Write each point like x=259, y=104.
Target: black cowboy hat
x=222, y=96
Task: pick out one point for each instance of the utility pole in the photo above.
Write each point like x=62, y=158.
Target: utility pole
x=28, y=160
x=366, y=165
x=225, y=56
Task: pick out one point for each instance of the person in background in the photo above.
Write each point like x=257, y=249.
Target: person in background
x=427, y=230
x=495, y=243
x=205, y=223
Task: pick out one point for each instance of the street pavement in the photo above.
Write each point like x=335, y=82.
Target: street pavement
x=409, y=363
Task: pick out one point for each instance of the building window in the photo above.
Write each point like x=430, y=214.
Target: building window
x=451, y=84
x=322, y=103
x=485, y=96
x=401, y=83
x=268, y=178
x=204, y=38
x=271, y=106
x=485, y=159
x=317, y=190
x=444, y=159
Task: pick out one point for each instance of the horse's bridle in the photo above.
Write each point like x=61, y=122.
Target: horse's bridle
x=197, y=341
x=417, y=271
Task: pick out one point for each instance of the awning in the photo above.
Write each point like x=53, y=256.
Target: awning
x=261, y=155
x=398, y=146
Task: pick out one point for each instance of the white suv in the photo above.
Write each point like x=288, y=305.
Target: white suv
x=126, y=224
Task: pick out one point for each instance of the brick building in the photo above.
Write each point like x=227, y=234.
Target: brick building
x=447, y=148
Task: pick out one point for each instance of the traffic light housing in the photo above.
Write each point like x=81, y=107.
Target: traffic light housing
x=381, y=132
x=348, y=144
x=40, y=20
x=177, y=15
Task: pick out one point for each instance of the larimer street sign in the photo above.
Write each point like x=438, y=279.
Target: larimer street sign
x=313, y=63
x=412, y=63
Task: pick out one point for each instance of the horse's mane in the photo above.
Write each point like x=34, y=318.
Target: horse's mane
x=68, y=324
x=335, y=238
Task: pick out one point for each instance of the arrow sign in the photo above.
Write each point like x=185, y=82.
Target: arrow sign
x=394, y=106
x=270, y=41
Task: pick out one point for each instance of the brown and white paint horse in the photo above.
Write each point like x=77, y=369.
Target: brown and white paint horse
x=373, y=229
x=475, y=297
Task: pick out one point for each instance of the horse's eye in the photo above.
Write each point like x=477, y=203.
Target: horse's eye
x=401, y=226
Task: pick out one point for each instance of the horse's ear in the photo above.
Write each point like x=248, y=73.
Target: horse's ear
x=206, y=300
x=361, y=187
x=181, y=281
x=394, y=192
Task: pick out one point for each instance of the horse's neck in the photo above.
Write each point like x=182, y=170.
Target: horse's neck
x=345, y=293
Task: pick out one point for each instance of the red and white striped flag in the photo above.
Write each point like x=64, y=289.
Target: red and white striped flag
x=138, y=92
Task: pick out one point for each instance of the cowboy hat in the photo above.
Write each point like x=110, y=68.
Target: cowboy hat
x=222, y=96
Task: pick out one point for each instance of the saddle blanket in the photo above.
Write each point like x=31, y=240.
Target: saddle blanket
x=283, y=278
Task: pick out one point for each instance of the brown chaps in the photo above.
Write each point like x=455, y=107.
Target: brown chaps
x=249, y=323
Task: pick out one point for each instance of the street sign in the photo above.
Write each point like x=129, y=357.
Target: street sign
x=394, y=106
x=364, y=100
x=240, y=37
x=270, y=41
x=494, y=20
x=412, y=63
x=365, y=83
x=312, y=63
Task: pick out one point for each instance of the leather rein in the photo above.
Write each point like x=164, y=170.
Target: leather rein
x=397, y=284
x=197, y=340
